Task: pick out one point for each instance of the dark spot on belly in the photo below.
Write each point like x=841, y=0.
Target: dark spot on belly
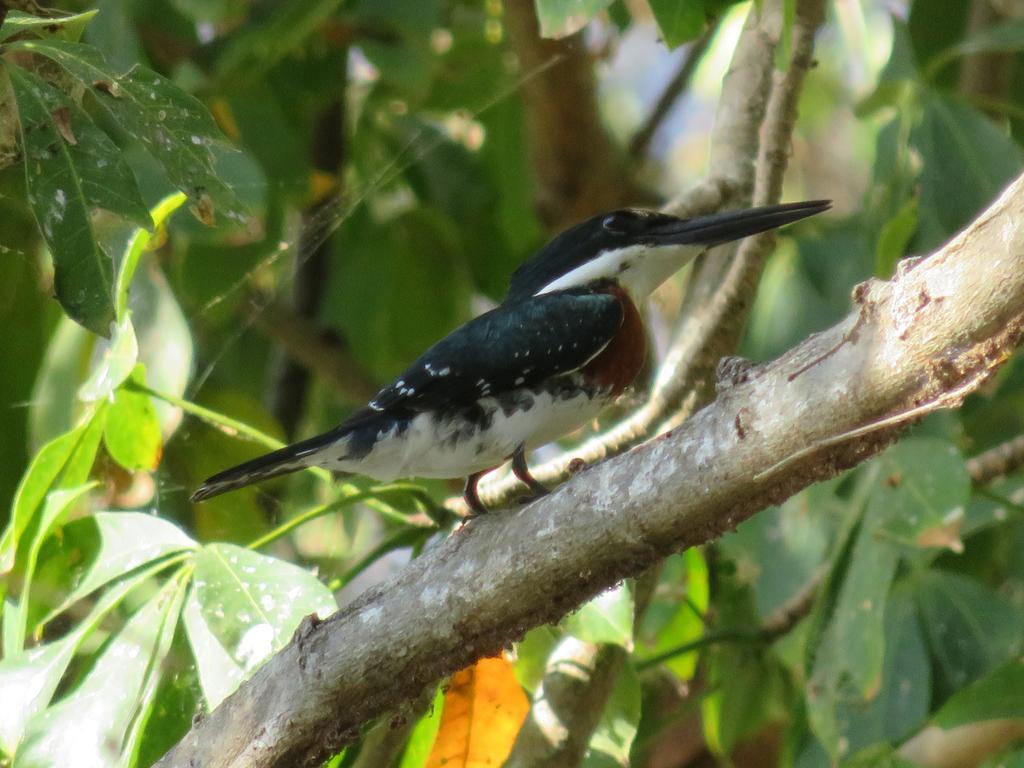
x=515, y=401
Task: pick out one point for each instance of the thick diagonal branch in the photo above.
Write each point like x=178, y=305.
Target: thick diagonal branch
x=923, y=341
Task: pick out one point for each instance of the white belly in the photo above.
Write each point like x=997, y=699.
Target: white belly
x=444, y=447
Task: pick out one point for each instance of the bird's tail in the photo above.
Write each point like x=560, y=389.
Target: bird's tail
x=283, y=461
x=725, y=227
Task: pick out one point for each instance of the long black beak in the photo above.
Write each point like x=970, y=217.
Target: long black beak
x=724, y=227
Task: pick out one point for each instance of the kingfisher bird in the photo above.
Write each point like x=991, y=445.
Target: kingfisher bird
x=566, y=341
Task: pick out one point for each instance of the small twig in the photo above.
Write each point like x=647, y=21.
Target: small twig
x=782, y=620
x=675, y=87
x=997, y=462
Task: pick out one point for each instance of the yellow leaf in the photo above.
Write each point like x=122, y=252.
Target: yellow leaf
x=484, y=707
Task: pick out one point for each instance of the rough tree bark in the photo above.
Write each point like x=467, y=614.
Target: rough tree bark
x=920, y=342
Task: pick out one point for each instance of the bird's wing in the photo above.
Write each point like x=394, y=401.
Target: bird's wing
x=516, y=345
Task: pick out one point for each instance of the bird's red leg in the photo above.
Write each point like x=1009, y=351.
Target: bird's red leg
x=520, y=470
x=472, y=498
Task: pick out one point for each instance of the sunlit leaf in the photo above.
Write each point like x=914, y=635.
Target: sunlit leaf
x=137, y=243
x=679, y=20
x=173, y=126
x=72, y=167
x=113, y=362
x=132, y=434
x=29, y=679
x=68, y=457
x=613, y=738
x=93, y=723
x=560, y=18
x=68, y=27
x=608, y=618
x=729, y=714
x=999, y=694
x=164, y=339
x=126, y=541
x=532, y=655
x=65, y=365
x=423, y=735
x=895, y=237
x=219, y=675
x=253, y=603
x=484, y=708
x=57, y=504
x=687, y=621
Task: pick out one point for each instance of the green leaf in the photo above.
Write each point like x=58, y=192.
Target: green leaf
x=126, y=541
x=66, y=27
x=923, y=491
x=117, y=359
x=1008, y=36
x=679, y=20
x=900, y=707
x=895, y=237
x=164, y=339
x=63, y=457
x=385, y=292
x=780, y=550
x=173, y=126
x=147, y=703
x=71, y=167
x=729, y=713
x=850, y=652
x=219, y=675
x=532, y=654
x=29, y=679
x=253, y=603
x=971, y=629
x=132, y=434
x=137, y=244
x=560, y=18
x=613, y=738
x=92, y=722
x=607, y=618
x=421, y=740
x=64, y=366
x=687, y=621
x=999, y=694
x=57, y=505
x=967, y=161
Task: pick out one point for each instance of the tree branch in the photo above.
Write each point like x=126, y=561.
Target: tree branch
x=920, y=342
x=290, y=376
x=568, y=705
x=997, y=462
x=675, y=87
x=577, y=168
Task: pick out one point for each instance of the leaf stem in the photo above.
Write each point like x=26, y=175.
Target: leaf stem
x=711, y=638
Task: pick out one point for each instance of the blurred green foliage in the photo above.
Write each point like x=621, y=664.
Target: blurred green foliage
x=169, y=169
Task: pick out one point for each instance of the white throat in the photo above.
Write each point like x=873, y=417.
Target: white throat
x=639, y=268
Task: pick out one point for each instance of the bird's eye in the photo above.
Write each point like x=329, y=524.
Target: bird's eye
x=614, y=224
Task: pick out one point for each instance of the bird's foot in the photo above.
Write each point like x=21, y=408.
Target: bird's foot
x=522, y=471
x=472, y=497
